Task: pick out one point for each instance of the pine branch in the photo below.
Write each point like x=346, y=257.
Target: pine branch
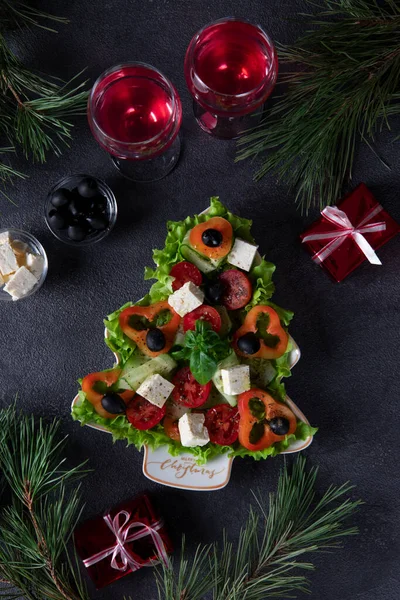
x=35, y=112
x=14, y=13
x=267, y=559
x=37, y=526
x=343, y=85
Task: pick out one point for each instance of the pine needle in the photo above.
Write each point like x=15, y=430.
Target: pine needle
x=343, y=85
x=36, y=527
x=267, y=560
x=35, y=111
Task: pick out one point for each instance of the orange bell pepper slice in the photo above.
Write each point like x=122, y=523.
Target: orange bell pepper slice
x=95, y=397
x=150, y=313
x=274, y=328
x=221, y=225
x=256, y=408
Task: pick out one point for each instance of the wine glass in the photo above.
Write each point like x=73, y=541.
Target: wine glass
x=135, y=114
x=231, y=68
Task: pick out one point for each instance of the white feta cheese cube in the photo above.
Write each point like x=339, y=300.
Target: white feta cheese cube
x=236, y=380
x=242, y=254
x=20, y=284
x=156, y=390
x=192, y=430
x=5, y=237
x=20, y=250
x=186, y=299
x=35, y=264
x=8, y=260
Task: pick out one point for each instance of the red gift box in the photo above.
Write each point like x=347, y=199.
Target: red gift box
x=126, y=538
x=340, y=253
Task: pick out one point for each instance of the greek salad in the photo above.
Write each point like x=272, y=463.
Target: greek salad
x=202, y=356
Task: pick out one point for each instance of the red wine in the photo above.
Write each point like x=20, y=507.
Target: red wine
x=232, y=61
x=133, y=108
x=231, y=67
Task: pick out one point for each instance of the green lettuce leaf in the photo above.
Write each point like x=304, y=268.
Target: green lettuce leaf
x=263, y=288
x=282, y=364
x=261, y=279
x=285, y=315
x=121, y=429
x=116, y=340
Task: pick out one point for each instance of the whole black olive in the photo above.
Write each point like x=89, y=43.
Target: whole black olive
x=279, y=425
x=113, y=403
x=249, y=343
x=212, y=238
x=98, y=204
x=60, y=197
x=214, y=290
x=98, y=223
x=155, y=340
x=87, y=188
x=76, y=233
x=77, y=206
x=57, y=220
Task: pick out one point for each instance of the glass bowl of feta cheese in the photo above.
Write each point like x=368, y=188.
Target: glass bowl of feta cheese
x=23, y=264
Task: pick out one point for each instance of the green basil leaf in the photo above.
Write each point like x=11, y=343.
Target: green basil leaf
x=181, y=354
x=202, y=366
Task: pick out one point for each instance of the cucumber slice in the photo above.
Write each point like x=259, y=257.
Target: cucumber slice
x=137, y=359
x=262, y=371
x=132, y=377
x=192, y=256
x=213, y=399
x=231, y=361
x=226, y=323
x=204, y=264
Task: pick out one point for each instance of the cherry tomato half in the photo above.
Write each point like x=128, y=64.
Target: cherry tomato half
x=171, y=429
x=202, y=313
x=183, y=272
x=142, y=414
x=237, y=289
x=188, y=392
x=222, y=422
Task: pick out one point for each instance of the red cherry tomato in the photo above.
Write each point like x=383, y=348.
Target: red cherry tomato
x=237, y=289
x=171, y=429
x=183, y=272
x=188, y=392
x=142, y=414
x=202, y=313
x=222, y=422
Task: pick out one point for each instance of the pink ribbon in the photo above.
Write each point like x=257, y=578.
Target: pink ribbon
x=122, y=537
x=337, y=237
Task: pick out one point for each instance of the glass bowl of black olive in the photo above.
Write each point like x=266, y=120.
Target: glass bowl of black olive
x=80, y=210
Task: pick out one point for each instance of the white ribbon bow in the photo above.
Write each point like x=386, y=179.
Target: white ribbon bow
x=122, y=537
x=337, y=237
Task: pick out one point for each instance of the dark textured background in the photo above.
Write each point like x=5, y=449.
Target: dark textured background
x=347, y=380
